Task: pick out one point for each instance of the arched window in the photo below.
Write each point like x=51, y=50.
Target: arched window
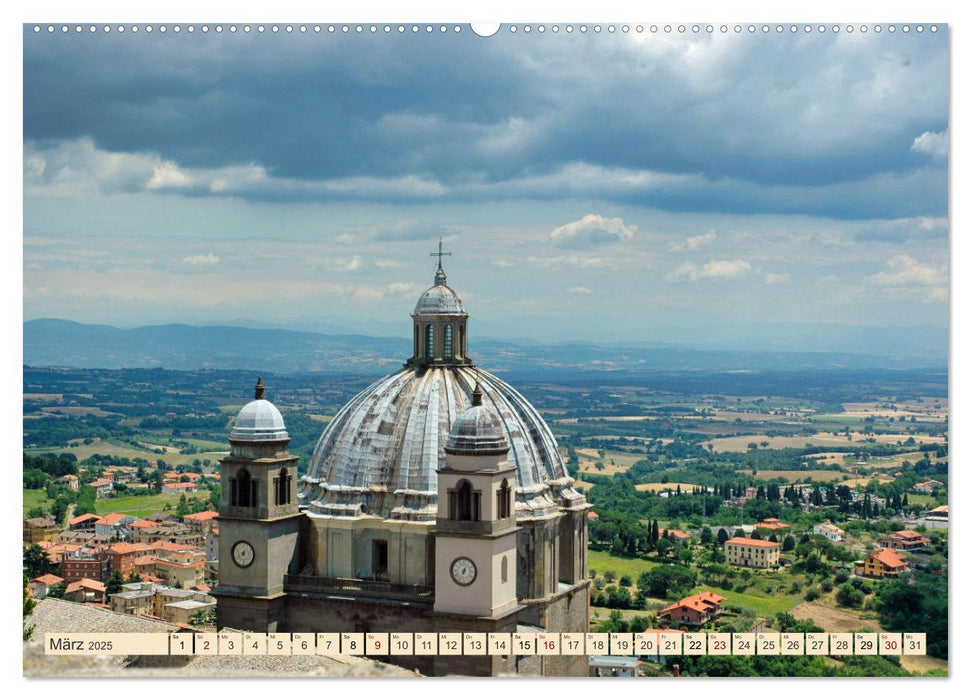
x=281, y=488
x=448, y=342
x=429, y=341
x=462, y=349
x=416, y=339
x=504, y=500
x=464, y=495
x=243, y=493
x=504, y=569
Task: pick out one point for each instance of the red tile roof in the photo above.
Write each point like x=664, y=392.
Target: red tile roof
x=112, y=518
x=889, y=558
x=82, y=518
x=679, y=534
x=701, y=602
x=205, y=515
x=748, y=542
x=47, y=579
x=88, y=583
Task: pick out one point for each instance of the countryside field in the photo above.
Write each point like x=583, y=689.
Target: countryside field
x=106, y=447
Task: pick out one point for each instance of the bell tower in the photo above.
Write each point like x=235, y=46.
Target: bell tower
x=259, y=520
x=475, y=539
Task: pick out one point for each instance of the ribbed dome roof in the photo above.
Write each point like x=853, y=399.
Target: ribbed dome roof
x=477, y=430
x=380, y=453
x=440, y=299
x=259, y=420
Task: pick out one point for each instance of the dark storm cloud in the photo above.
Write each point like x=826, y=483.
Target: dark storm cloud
x=810, y=124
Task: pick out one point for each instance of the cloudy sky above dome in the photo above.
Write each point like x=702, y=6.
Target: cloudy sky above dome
x=590, y=187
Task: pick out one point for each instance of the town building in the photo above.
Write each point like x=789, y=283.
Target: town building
x=771, y=524
x=71, y=481
x=85, y=590
x=435, y=500
x=174, y=605
x=90, y=563
x=936, y=518
x=880, y=564
x=758, y=554
x=38, y=587
x=829, y=531
x=112, y=525
x=905, y=541
x=40, y=530
x=677, y=536
x=928, y=486
x=102, y=487
x=692, y=612
x=83, y=522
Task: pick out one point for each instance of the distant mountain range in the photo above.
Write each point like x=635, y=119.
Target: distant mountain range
x=57, y=343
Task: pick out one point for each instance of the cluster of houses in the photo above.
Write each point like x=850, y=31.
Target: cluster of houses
x=172, y=482
x=168, y=560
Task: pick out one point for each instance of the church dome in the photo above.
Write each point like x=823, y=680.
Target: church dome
x=259, y=420
x=380, y=454
x=440, y=299
x=477, y=430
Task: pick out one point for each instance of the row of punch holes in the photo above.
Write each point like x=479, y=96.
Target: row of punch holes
x=513, y=28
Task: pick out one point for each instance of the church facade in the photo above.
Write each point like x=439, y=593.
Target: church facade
x=435, y=501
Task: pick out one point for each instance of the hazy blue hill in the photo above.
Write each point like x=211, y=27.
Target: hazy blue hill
x=55, y=342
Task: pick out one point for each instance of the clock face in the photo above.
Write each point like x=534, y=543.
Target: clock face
x=243, y=554
x=463, y=571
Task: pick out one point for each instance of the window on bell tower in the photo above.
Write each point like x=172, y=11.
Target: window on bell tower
x=281, y=488
x=503, y=500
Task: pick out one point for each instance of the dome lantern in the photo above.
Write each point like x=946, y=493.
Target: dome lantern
x=440, y=322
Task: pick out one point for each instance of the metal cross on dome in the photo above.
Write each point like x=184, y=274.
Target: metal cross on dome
x=439, y=254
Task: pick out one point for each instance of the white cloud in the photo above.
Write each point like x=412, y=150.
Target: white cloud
x=591, y=230
x=387, y=264
x=905, y=271
x=580, y=290
x=702, y=240
x=773, y=278
x=932, y=143
x=345, y=239
x=344, y=264
x=502, y=263
x=80, y=167
x=206, y=260
x=716, y=269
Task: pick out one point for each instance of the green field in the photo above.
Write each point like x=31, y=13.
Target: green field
x=35, y=497
x=765, y=605
x=140, y=506
x=629, y=566
x=923, y=499
x=107, y=447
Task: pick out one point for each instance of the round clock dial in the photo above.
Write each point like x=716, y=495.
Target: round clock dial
x=243, y=554
x=463, y=571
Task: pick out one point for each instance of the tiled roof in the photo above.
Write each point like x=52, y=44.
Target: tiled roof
x=82, y=518
x=205, y=515
x=748, y=542
x=88, y=583
x=888, y=557
x=47, y=579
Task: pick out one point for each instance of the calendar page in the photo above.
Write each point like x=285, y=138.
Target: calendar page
x=526, y=349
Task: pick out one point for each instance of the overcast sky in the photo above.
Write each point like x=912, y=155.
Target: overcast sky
x=590, y=187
